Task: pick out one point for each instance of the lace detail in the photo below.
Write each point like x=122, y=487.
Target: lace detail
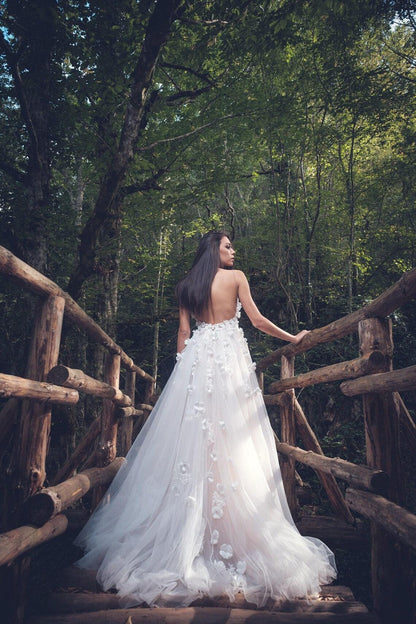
x=232, y=322
x=204, y=474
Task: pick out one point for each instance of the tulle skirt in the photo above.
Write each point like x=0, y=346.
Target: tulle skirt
x=198, y=508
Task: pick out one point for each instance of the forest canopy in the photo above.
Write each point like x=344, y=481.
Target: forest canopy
x=128, y=131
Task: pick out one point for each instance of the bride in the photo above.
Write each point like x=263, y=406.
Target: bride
x=198, y=508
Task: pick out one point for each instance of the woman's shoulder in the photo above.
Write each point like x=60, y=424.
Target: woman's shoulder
x=231, y=274
x=239, y=276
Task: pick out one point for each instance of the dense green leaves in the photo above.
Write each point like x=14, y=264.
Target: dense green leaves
x=289, y=124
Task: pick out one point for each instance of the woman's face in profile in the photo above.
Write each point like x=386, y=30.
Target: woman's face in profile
x=227, y=253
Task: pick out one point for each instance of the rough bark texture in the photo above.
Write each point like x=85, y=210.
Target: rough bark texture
x=392, y=381
x=391, y=577
x=35, y=418
x=107, y=449
x=30, y=65
x=398, y=521
x=50, y=501
x=360, y=476
x=365, y=365
x=288, y=434
x=73, y=378
x=12, y=386
x=126, y=424
x=24, y=538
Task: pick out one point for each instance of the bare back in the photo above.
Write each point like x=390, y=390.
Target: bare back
x=226, y=287
x=224, y=291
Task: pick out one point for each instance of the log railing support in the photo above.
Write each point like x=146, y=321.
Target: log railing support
x=49, y=502
x=107, y=449
x=354, y=474
x=390, y=381
x=288, y=434
x=399, y=522
x=402, y=291
x=35, y=421
x=392, y=592
x=33, y=439
x=72, y=378
x=24, y=538
x=19, y=387
x=365, y=365
x=126, y=424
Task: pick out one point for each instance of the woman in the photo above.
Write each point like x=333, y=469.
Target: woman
x=199, y=507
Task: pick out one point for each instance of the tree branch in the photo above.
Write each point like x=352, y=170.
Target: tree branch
x=13, y=63
x=189, y=70
x=187, y=134
x=146, y=185
x=107, y=208
x=190, y=95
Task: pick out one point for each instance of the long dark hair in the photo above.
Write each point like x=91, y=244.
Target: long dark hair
x=194, y=290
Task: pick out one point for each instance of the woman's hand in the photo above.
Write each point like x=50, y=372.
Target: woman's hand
x=300, y=335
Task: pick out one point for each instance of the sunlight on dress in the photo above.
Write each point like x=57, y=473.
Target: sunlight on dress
x=198, y=509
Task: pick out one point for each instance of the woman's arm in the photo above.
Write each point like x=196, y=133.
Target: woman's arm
x=184, y=330
x=258, y=320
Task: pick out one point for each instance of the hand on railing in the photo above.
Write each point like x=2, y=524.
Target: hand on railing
x=300, y=336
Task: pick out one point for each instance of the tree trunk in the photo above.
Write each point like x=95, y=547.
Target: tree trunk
x=107, y=211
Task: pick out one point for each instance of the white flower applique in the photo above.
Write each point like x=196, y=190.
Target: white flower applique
x=241, y=567
x=199, y=409
x=218, y=504
x=181, y=478
x=226, y=551
x=210, y=385
x=215, y=536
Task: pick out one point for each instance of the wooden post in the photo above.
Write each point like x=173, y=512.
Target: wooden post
x=391, y=581
x=33, y=440
x=126, y=425
x=107, y=449
x=288, y=434
x=35, y=420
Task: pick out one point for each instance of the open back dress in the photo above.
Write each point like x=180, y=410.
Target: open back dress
x=198, y=508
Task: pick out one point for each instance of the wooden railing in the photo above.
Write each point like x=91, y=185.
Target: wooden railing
x=30, y=399
x=375, y=490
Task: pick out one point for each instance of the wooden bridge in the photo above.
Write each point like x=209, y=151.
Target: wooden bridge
x=37, y=514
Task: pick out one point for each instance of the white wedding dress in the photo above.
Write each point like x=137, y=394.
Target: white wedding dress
x=199, y=507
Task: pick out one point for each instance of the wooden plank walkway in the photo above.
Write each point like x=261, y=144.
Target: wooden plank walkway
x=78, y=600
